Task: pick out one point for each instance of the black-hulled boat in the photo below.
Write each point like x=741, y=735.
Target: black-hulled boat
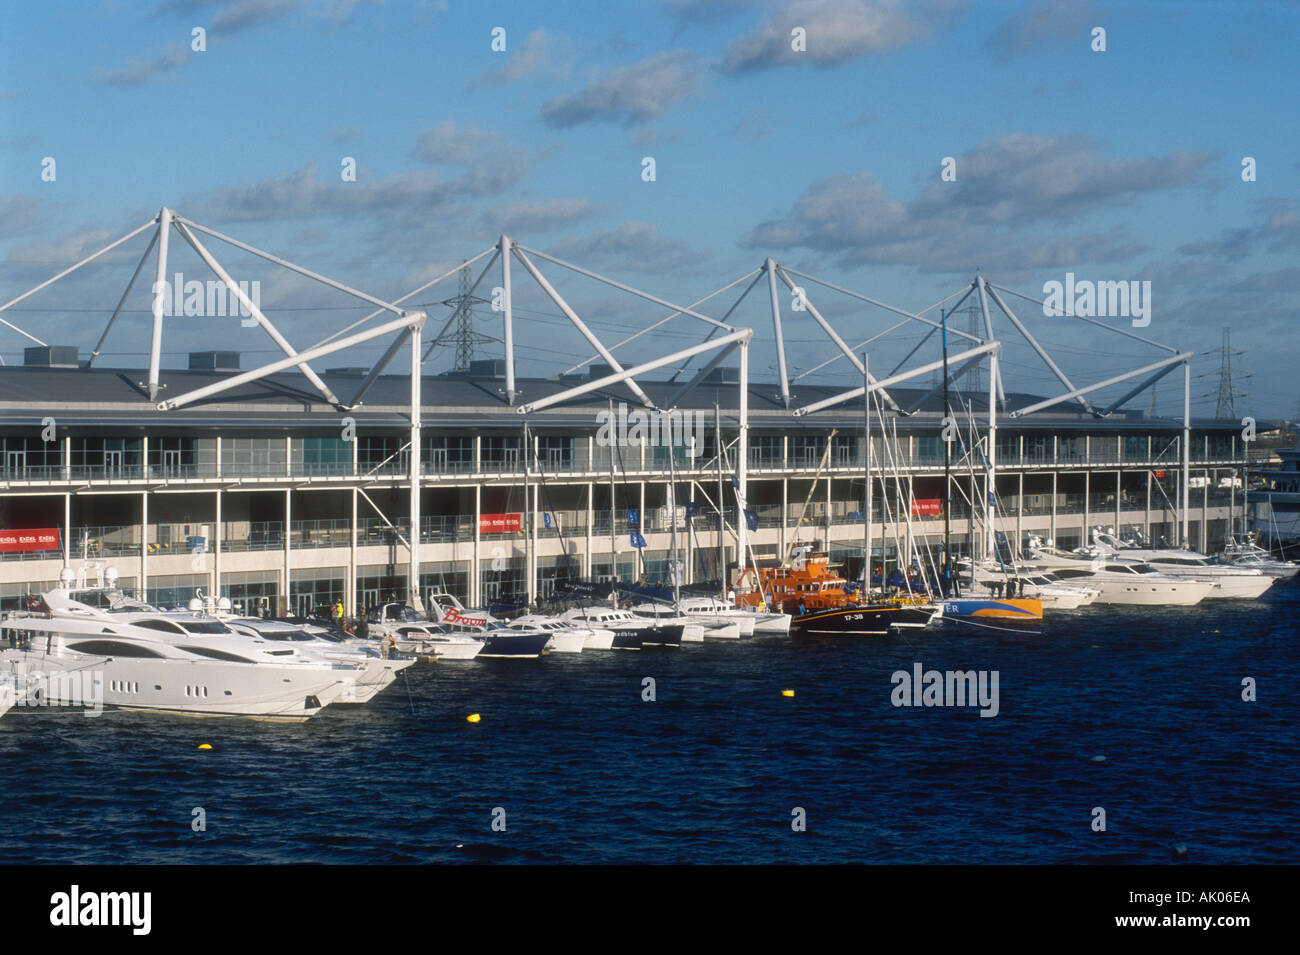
x=502, y=641
x=863, y=619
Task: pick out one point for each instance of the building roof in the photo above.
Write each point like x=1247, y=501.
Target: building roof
x=105, y=397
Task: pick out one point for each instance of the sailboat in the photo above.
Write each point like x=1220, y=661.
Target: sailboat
x=872, y=616
x=954, y=606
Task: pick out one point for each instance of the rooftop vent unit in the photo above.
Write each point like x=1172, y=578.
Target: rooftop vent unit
x=214, y=361
x=597, y=370
x=488, y=368
x=723, y=375
x=51, y=356
x=355, y=372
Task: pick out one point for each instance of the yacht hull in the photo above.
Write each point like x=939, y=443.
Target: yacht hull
x=574, y=642
x=860, y=621
x=181, y=687
x=1008, y=608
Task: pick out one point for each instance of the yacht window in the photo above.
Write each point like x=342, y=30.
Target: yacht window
x=204, y=626
x=290, y=635
x=113, y=648
x=166, y=626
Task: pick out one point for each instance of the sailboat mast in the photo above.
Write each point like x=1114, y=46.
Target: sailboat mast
x=673, y=564
x=613, y=549
x=947, y=460
x=866, y=506
x=722, y=514
x=528, y=524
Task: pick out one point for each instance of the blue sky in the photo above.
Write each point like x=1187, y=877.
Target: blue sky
x=1115, y=165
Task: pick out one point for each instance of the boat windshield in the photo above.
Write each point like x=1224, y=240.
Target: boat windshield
x=298, y=636
x=204, y=626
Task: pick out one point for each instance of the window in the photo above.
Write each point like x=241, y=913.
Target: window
x=846, y=450
x=765, y=450
x=929, y=448
x=105, y=457
x=166, y=626
x=205, y=626
x=1071, y=449
x=1038, y=448
x=173, y=457
x=806, y=450
x=501, y=453
x=322, y=456
x=555, y=451
x=448, y=453
x=252, y=456
x=1103, y=448
x=20, y=457
x=1135, y=447
x=380, y=453
x=113, y=648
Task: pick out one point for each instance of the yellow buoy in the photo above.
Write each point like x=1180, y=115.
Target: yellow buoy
x=787, y=692
x=473, y=718
x=205, y=746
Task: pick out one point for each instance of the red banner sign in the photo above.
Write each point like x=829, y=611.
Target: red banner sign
x=499, y=523
x=922, y=507
x=42, y=538
x=455, y=616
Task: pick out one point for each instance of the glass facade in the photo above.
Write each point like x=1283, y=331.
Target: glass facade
x=252, y=456
x=322, y=456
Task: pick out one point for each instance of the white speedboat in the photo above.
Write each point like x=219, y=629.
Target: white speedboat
x=1120, y=581
x=1242, y=583
x=407, y=631
x=128, y=655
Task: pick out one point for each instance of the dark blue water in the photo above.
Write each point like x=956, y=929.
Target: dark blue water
x=710, y=772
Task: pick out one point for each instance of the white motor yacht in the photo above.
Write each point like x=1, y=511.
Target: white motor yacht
x=1244, y=552
x=1242, y=583
x=1119, y=581
x=128, y=655
x=377, y=672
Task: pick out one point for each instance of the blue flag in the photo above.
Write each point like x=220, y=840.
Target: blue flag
x=637, y=540
x=692, y=509
x=751, y=519
x=633, y=519
x=546, y=520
